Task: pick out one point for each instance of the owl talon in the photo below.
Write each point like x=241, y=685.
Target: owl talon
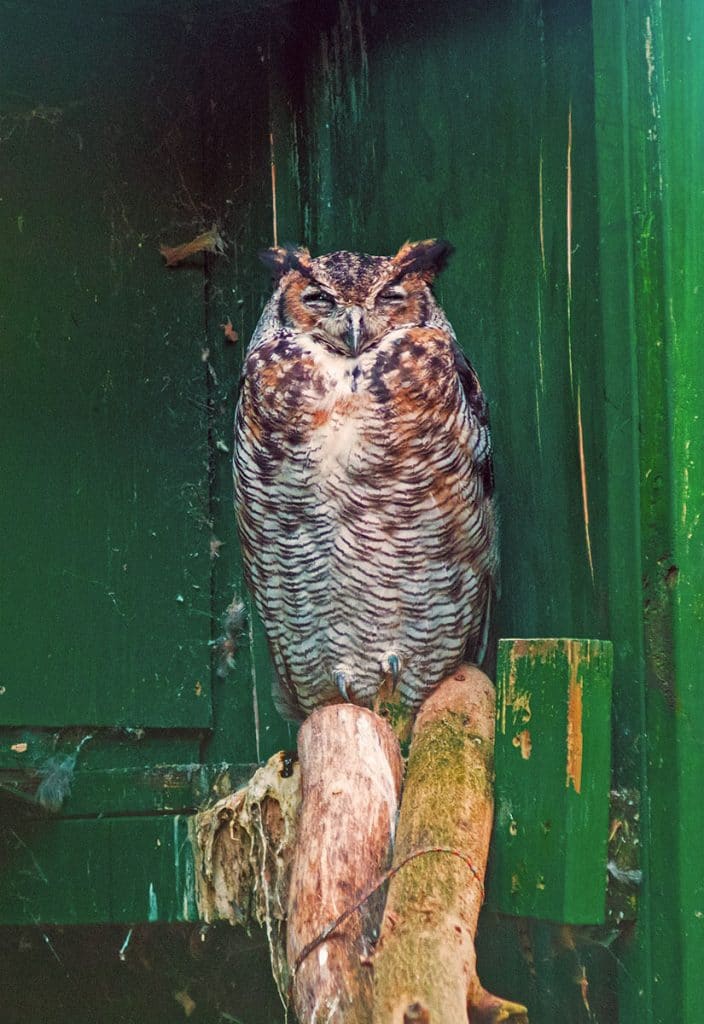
x=394, y=669
x=340, y=680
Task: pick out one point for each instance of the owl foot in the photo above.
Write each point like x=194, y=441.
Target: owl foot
x=394, y=668
x=391, y=668
x=340, y=680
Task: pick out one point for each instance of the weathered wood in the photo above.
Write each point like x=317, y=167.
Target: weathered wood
x=351, y=770
x=243, y=851
x=425, y=963
x=553, y=743
x=304, y=853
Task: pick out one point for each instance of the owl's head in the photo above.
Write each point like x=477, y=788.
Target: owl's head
x=349, y=300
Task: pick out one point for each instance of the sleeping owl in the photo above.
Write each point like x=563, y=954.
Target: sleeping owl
x=363, y=480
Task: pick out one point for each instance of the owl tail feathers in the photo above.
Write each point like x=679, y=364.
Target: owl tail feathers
x=482, y=650
x=286, y=702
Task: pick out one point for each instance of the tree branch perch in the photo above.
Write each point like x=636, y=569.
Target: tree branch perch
x=308, y=855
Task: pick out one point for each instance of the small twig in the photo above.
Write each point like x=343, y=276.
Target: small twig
x=334, y=925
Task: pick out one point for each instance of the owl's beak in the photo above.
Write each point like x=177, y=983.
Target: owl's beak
x=355, y=329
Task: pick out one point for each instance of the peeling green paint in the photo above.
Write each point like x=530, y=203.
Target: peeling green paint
x=552, y=786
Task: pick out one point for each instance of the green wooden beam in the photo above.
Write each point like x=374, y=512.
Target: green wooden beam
x=163, y=788
x=552, y=779
x=84, y=871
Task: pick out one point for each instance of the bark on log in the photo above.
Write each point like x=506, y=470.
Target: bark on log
x=351, y=770
x=425, y=962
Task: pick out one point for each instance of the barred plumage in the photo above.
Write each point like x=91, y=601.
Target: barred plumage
x=363, y=479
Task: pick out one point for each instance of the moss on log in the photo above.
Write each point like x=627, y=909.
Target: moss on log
x=425, y=962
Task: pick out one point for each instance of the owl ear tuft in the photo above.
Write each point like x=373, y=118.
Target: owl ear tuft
x=427, y=258
x=282, y=258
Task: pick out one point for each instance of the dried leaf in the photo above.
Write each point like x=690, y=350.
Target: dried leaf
x=230, y=332
x=209, y=241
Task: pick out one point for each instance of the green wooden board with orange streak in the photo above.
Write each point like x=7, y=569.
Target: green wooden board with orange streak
x=553, y=736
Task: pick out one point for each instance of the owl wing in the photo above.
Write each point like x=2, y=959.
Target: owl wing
x=478, y=409
x=257, y=519
x=283, y=521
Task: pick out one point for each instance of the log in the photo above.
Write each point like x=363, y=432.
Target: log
x=262, y=856
x=351, y=770
x=425, y=962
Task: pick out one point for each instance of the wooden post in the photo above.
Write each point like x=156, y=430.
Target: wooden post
x=351, y=771
x=425, y=963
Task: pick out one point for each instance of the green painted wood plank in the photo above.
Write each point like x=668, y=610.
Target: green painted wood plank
x=678, y=51
x=163, y=788
x=620, y=120
x=55, y=871
x=552, y=760
x=651, y=94
x=158, y=884
x=105, y=607
x=26, y=749
x=79, y=871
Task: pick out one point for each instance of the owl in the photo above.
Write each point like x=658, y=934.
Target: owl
x=363, y=480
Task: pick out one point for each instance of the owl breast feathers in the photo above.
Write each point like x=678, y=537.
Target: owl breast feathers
x=363, y=480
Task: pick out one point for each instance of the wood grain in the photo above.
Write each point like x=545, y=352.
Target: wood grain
x=351, y=771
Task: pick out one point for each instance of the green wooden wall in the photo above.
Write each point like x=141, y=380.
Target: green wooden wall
x=117, y=384
x=649, y=76
x=556, y=143
x=106, y=608
x=123, y=126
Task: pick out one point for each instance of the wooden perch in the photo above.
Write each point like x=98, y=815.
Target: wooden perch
x=351, y=771
x=425, y=962
x=306, y=854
